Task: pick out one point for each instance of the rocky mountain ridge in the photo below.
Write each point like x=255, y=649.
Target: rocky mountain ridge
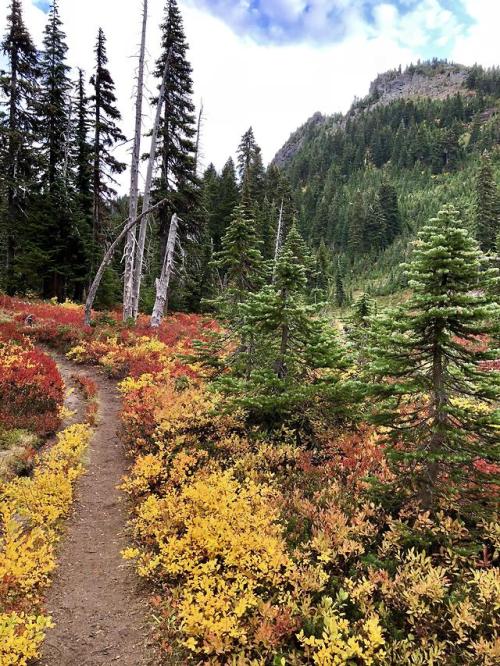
x=435, y=80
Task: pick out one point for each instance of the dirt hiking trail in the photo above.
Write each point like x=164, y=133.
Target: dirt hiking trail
x=97, y=605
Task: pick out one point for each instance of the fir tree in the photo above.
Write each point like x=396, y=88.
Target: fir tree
x=437, y=402
x=56, y=247
x=251, y=170
x=176, y=145
x=246, y=154
x=375, y=233
x=83, y=151
x=19, y=127
x=240, y=260
x=363, y=309
x=323, y=272
x=283, y=344
x=487, y=206
x=356, y=225
x=388, y=200
x=228, y=193
x=220, y=197
x=106, y=135
x=55, y=100
x=340, y=295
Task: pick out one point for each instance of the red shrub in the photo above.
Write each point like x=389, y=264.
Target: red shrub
x=31, y=389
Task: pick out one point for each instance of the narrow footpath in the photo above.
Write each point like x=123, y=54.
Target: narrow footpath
x=96, y=602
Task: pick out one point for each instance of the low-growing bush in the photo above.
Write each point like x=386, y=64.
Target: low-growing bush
x=31, y=389
x=30, y=517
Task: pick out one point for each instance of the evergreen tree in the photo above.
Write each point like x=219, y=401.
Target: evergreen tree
x=228, y=193
x=83, y=151
x=363, y=309
x=356, y=225
x=55, y=249
x=176, y=145
x=298, y=247
x=106, y=135
x=487, y=206
x=340, y=295
x=55, y=101
x=220, y=197
x=83, y=166
x=437, y=401
x=388, y=200
x=18, y=130
x=240, y=260
x=323, y=272
x=375, y=233
x=246, y=154
x=283, y=344
x=251, y=170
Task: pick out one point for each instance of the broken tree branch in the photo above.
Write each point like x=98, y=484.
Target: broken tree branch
x=128, y=225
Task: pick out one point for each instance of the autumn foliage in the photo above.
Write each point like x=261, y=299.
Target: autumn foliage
x=31, y=389
x=261, y=549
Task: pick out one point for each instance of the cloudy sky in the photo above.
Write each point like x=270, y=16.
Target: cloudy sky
x=273, y=63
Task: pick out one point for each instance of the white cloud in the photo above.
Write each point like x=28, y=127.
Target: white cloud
x=480, y=42
x=242, y=83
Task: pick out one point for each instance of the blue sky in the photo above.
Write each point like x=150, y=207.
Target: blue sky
x=44, y=5
x=329, y=21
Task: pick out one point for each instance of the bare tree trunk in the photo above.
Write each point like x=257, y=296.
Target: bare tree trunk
x=164, y=280
x=128, y=225
x=279, y=239
x=141, y=242
x=198, y=138
x=129, y=252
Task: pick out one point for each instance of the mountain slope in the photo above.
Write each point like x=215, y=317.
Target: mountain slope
x=420, y=132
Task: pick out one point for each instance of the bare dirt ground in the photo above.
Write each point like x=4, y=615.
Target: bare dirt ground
x=96, y=602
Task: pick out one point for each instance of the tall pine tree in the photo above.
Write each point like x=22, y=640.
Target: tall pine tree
x=176, y=139
x=388, y=200
x=54, y=221
x=107, y=134
x=19, y=126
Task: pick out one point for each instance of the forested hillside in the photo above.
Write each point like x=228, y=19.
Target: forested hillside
x=364, y=183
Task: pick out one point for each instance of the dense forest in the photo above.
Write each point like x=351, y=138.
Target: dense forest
x=279, y=382
x=359, y=185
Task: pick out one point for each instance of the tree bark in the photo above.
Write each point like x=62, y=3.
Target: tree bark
x=128, y=225
x=129, y=253
x=198, y=139
x=163, y=281
x=141, y=242
x=439, y=419
x=279, y=239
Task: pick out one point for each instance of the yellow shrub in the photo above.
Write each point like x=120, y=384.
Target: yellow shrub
x=343, y=643
x=26, y=560
x=30, y=511
x=220, y=542
x=21, y=637
x=47, y=496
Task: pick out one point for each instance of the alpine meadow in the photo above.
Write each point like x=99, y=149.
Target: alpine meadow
x=249, y=384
